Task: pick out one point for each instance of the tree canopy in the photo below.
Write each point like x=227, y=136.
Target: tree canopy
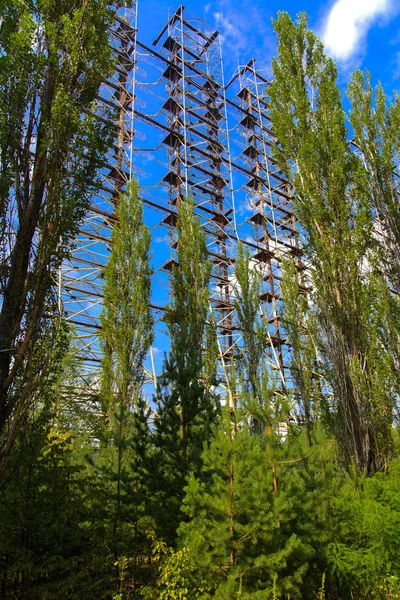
x=195, y=485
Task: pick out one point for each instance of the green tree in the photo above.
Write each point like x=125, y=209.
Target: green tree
x=376, y=129
x=311, y=477
x=53, y=539
x=237, y=534
x=332, y=204
x=297, y=320
x=186, y=316
x=54, y=55
x=247, y=304
x=52, y=532
x=363, y=552
x=185, y=403
x=126, y=320
x=175, y=578
x=126, y=336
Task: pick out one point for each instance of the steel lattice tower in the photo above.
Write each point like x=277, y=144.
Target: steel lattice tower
x=181, y=129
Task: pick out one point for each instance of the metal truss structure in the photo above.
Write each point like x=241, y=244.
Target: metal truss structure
x=182, y=130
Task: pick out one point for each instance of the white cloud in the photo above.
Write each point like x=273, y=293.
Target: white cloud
x=229, y=30
x=244, y=206
x=162, y=239
x=245, y=30
x=348, y=22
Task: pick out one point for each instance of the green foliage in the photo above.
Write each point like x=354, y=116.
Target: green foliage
x=364, y=552
x=238, y=534
x=171, y=447
x=186, y=316
x=178, y=498
x=376, y=127
x=175, y=578
x=52, y=538
x=247, y=306
x=126, y=317
x=332, y=204
x=54, y=55
x=126, y=336
x=211, y=353
x=297, y=320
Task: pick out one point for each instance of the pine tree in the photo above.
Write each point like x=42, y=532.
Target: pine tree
x=333, y=207
x=311, y=477
x=237, y=534
x=363, y=552
x=185, y=403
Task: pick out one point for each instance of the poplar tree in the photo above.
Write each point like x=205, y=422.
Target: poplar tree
x=333, y=206
x=297, y=319
x=126, y=320
x=54, y=55
x=376, y=130
x=126, y=336
x=185, y=403
x=186, y=319
x=247, y=304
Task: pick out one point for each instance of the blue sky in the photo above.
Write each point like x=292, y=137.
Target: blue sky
x=357, y=33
